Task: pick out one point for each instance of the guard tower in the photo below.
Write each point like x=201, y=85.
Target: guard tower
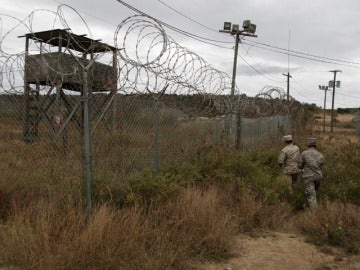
x=61, y=72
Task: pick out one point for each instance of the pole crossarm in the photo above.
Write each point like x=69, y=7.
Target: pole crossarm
x=242, y=33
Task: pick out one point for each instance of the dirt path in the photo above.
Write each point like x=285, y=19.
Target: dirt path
x=283, y=251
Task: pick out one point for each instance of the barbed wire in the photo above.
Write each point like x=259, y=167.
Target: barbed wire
x=148, y=60
x=272, y=100
x=157, y=60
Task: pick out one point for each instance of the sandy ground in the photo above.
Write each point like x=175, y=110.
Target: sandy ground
x=284, y=251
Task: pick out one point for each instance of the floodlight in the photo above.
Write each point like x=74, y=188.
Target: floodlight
x=252, y=28
x=323, y=87
x=246, y=24
x=227, y=26
x=235, y=28
x=337, y=84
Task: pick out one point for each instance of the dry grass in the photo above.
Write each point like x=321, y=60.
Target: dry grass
x=53, y=234
x=197, y=224
x=333, y=223
x=253, y=214
x=343, y=123
x=44, y=225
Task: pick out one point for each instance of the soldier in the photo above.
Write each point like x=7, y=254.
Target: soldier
x=288, y=158
x=311, y=161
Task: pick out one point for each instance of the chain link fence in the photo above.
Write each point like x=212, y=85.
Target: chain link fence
x=257, y=131
x=129, y=135
x=76, y=111
x=148, y=135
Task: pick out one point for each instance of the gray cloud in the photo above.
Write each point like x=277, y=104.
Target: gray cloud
x=319, y=27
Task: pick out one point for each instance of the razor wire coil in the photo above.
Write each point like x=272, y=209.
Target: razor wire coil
x=148, y=60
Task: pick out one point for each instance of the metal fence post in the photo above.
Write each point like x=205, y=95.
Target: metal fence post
x=238, y=128
x=156, y=126
x=156, y=135
x=87, y=146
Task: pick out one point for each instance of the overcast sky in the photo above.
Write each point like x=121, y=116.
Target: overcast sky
x=322, y=30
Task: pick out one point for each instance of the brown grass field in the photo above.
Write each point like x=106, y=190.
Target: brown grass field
x=220, y=210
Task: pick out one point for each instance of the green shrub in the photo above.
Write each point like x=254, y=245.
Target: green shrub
x=341, y=174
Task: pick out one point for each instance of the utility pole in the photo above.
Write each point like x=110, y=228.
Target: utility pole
x=233, y=29
x=288, y=73
x=325, y=88
x=288, y=85
x=337, y=84
x=237, y=41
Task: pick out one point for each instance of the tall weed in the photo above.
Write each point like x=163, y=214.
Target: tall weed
x=334, y=223
x=54, y=234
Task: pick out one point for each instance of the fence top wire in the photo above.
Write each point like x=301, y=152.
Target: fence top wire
x=146, y=61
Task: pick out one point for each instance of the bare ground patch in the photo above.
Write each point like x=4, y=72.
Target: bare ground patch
x=283, y=251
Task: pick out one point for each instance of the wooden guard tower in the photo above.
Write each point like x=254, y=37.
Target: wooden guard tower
x=64, y=70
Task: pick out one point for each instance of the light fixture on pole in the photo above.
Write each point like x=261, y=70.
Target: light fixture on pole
x=233, y=29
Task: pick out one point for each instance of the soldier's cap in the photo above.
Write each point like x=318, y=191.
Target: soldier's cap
x=287, y=138
x=312, y=142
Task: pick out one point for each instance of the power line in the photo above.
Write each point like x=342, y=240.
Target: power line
x=213, y=55
x=303, y=57
x=188, y=34
x=264, y=44
x=317, y=99
x=209, y=41
x=307, y=97
x=297, y=91
x=347, y=95
x=260, y=43
x=196, y=37
x=302, y=90
x=260, y=68
x=256, y=70
x=308, y=54
x=206, y=40
x=185, y=16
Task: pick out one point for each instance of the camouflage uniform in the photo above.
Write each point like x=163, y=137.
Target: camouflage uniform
x=288, y=158
x=311, y=162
